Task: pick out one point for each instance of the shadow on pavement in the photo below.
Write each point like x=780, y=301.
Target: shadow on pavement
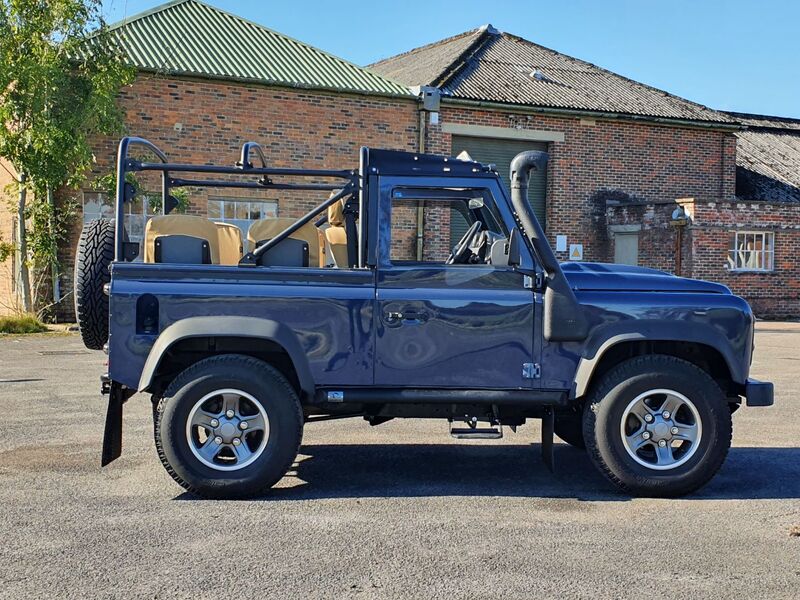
x=430, y=470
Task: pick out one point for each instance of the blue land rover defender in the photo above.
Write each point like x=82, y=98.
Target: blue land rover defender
x=345, y=313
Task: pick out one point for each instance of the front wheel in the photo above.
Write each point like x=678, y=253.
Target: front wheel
x=657, y=426
x=229, y=426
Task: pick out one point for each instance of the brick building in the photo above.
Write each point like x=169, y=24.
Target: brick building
x=623, y=156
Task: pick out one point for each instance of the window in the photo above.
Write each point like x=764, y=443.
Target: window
x=445, y=221
x=241, y=212
x=751, y=251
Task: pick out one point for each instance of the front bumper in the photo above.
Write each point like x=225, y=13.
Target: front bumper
x=759, y=393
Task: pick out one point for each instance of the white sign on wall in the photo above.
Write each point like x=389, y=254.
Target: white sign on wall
x=576, y=251
x=561, y=243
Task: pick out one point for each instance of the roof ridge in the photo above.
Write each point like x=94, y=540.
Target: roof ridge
x=477, y=30
x=146, y=13
x=461, y=61
x=288, y=37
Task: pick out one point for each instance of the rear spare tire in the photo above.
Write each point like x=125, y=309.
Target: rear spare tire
x=94, y=256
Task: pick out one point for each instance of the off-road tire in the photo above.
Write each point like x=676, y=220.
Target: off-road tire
x=606, y=405
x=250, y=375
x=93, y=258
x=569, y=427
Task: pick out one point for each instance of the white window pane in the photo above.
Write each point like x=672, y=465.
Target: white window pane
x=241, y=210
x=214, y=209
x=269, y=210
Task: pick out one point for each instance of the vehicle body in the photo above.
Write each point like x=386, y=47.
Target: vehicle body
x=502, y=334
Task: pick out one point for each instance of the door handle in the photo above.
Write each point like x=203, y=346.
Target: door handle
x=394, y=317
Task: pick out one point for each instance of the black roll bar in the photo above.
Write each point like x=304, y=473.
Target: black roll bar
x=122, y=169
x=244, y=161
x=125, y=165
x=251, y=258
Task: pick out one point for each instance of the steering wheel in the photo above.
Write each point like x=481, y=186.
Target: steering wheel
x=461, y=252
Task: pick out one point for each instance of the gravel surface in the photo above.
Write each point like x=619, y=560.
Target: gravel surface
x=395, y=511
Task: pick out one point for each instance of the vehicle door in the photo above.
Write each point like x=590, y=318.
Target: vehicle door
x=448, y=325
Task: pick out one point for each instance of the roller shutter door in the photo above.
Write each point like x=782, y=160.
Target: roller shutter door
x=500, y=153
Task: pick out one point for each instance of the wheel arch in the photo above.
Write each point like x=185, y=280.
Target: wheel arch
x=195, y=338
x=699, y=345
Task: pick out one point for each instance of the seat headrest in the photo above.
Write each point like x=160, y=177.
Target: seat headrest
x=336, y=214
x=266, y=229
x=189, y=225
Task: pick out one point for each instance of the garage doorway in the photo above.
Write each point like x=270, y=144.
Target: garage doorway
x=500, y=153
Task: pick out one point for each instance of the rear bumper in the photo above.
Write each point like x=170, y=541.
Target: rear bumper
x=759, y=393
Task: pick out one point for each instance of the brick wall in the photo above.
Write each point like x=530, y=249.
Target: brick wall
x=7, y=296
x=707, y=242
x=601, y=160
x=207, y=122
x=772, y=294
x=658, y=237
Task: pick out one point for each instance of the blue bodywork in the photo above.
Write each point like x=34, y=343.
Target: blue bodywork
x=472, y=327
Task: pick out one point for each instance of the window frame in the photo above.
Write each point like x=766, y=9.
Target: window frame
x=437, y=194
x=767, y=251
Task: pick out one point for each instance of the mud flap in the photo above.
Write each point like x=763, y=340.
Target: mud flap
x=112, y=438
x=548, y=427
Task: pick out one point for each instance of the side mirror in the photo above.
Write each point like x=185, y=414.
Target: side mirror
x=513, y=248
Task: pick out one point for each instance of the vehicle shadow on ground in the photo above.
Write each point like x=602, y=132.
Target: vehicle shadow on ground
x=430, y=470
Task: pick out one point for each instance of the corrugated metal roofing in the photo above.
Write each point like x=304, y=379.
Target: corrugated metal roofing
x=768, y=158
x=188, y=37
x=488, y=65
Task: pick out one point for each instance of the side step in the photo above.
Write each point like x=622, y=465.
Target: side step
x=472, y=432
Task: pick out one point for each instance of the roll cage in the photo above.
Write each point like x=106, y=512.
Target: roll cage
x=349, y=186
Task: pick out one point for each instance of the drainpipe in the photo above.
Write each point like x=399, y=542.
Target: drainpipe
x=421, y=204
x=429, y=101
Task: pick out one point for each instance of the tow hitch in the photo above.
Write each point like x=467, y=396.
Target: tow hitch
x=118, y=394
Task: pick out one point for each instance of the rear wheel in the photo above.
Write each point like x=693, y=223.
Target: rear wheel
x=229, y=426
x=657, y=426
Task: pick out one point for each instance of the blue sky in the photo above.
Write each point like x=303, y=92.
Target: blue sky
x=735, y=55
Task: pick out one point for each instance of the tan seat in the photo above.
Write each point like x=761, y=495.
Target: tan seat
x=336, y=234
x=266, y=229
x=230, y=243
x=186, y=225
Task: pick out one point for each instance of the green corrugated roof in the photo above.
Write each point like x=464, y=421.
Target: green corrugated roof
x=187, y=37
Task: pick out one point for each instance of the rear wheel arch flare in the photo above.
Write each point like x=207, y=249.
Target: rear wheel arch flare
x=196, y=338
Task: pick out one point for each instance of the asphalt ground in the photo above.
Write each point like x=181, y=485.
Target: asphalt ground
x=395, y=511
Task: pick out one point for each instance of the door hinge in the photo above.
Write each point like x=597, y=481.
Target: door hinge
x=531, y=370
x=535, y=282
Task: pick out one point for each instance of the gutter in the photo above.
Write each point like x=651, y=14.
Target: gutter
x=572, y=112
x=266, y=83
